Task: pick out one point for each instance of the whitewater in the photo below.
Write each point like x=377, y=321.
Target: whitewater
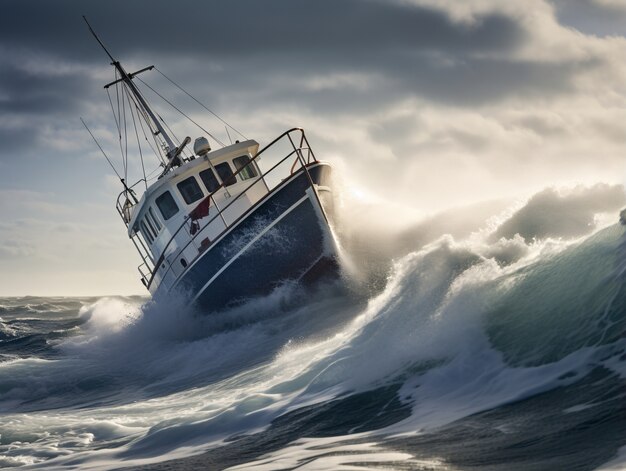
x=489, y=337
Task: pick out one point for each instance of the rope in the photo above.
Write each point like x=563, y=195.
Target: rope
x=125, y=137
x=176, y=140
x=182, y=113
x=143, y=168
x=102, y=150
x=153, y=175
x=113, y=111
x=117, y=124
x=121, y=122
x=141, y=113
x=119, y=114
x=157, y=152
x=228, y=134
x=201, y=104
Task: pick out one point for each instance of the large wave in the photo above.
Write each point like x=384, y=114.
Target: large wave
x=457, y=315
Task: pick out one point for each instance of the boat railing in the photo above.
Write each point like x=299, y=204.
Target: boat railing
x=302, y=155
x=126, y=200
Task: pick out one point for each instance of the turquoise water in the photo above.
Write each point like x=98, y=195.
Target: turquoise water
x=461, y=352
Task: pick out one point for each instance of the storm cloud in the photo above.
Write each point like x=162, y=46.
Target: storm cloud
x=569, y=214
x=249, y=27
x=436, y=103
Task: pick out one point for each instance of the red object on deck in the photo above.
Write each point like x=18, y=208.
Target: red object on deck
x=202, y=210
x=199, y=212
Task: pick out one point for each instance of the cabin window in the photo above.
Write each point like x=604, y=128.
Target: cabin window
x=155, y=220
x=226, y=174
x=190, y=190
x=146, y=232
x=151, y=227
x=167, y=205
x=248, y=171
x=209, y=180
x=143, y=239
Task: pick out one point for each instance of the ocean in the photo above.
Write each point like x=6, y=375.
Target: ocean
x=492, y=338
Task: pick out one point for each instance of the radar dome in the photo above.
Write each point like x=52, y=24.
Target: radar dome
x=201, y=146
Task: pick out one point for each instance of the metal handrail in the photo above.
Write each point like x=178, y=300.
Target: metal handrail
x=227, y=226
x=144, y=252
x=297, y=150
x=221, y=211
x=128, y=190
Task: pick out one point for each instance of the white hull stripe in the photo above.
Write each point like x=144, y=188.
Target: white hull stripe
x=279, y=188
x=247, y=246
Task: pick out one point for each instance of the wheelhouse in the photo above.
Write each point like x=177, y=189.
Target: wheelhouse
x=196, y=190
x=206, y=196
x=180, y=215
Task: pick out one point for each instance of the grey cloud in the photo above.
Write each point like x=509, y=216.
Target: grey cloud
x=14, y=140
x=470, y=82
x=13, y=249
x=542, y=126
x=264, y=55
x=247, y=27
x=481, y=81
x=247, y=65
x=277, y=41
x=550, y=214
x=448, y=99
x=36, y=92
x=274, y=38
x=592, y=16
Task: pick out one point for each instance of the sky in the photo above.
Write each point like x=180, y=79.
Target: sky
x=431, y=103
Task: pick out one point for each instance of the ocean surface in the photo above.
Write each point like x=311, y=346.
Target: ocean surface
x=484, y=338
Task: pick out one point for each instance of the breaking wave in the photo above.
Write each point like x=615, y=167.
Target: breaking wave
x=488, y=337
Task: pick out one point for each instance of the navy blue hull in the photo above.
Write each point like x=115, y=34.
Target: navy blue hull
x=286, y=237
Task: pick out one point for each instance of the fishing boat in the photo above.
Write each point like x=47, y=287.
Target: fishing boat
x=218, y=226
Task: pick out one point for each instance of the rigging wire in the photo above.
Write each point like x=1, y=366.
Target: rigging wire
x=119, y=114
x=159, y=147
x=176, y=140
x=125, y=135
x=156, y=151
x=113, y=111
x=117, y=123
x=159, y=144
x=142, y=114
x=102, y=150
x=153, y=175
x=200, y=103
x=143, y=168
x=122, y=121
x=182, y=113
x=229, y=138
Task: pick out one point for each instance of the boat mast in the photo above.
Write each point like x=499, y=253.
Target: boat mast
x=172, y=149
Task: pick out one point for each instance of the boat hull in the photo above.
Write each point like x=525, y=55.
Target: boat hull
x=285, y=237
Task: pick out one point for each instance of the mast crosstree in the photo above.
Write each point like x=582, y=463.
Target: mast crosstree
x=172, y=151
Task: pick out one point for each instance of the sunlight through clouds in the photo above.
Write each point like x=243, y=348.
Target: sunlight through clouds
x=446, y=102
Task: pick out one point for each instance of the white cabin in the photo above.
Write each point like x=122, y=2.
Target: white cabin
x=164, y=218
